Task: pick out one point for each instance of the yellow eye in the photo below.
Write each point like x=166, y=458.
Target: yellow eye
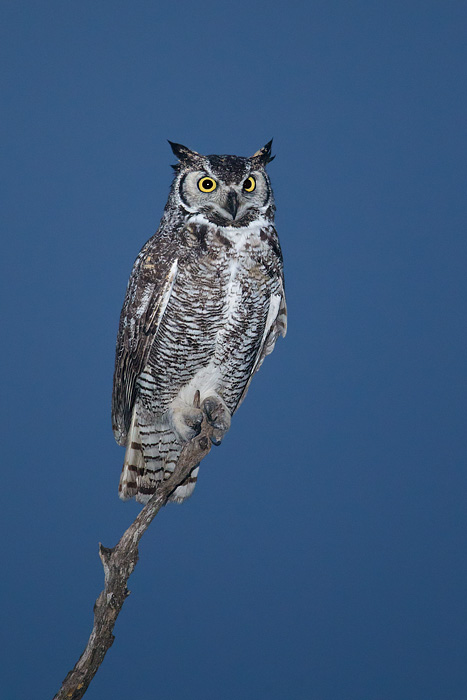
x=249, y=184
x=207, y=184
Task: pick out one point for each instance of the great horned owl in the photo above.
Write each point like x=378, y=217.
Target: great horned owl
x=204, y=305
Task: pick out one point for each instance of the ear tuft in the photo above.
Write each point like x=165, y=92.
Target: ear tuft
x=182, y=152
x=263, y=156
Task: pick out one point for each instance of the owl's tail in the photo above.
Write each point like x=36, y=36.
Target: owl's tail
x=151, y=455
x=133, y=464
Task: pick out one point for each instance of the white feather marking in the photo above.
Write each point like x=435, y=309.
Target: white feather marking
x=185, y=490
x=145, y=299
x=274, y=304
x=168, y=290
x=247, y=234
x=206, y=380
x=233, y=293
x=168, y=286
x=273, y=311
x=232, y=231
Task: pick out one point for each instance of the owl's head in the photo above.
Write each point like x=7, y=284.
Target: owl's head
x=226, y=190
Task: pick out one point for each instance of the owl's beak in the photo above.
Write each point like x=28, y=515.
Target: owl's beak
x=231, y=203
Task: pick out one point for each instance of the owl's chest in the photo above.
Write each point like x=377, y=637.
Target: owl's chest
x=221, y=281
x=216, y=259
x=217, y=309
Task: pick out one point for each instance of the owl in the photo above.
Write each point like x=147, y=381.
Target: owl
x=205, y=304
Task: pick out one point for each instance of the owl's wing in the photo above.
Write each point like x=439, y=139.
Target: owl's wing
x=147, y=296
x=276, y=325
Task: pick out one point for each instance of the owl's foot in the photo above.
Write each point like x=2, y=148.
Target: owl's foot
x=218, y=416
x=187, y=421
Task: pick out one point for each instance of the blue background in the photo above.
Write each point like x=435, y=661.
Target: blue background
x=323, y=554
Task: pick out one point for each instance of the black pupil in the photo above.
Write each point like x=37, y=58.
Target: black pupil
x=207, y=184
x=248, y=183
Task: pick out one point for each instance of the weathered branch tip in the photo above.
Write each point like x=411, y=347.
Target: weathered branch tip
x=118, y=563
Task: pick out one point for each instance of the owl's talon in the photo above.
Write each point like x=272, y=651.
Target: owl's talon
x=218, y=417
x=216, y=437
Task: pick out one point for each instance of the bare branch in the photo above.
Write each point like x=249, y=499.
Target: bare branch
x=119, y=563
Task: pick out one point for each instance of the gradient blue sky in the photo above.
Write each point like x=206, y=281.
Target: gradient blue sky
x=323, y=554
